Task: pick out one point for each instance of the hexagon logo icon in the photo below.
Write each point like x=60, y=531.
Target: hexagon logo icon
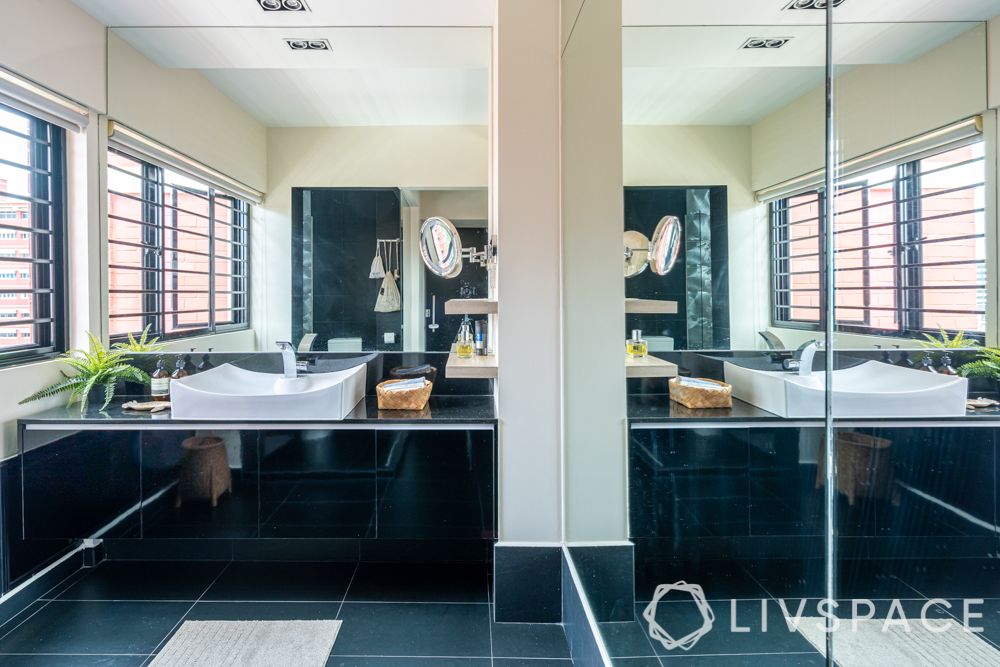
x=660, y=634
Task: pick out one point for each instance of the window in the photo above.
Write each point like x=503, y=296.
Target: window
x=32, y=224
x=178, y=253
x=909, y=249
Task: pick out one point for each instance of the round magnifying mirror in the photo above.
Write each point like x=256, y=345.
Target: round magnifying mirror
x=636, y=253
x=666, y=245
x=441, y=247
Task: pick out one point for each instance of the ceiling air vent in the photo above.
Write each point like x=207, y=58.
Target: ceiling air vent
x=765, y=42
x=813, y=4
x=308, y=44
x=283, y=5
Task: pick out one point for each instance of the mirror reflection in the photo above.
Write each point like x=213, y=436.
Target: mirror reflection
x=724, y=130
x=289, y=204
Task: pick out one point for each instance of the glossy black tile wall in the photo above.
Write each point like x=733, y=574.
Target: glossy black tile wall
x=344, y=226
x=644, y=207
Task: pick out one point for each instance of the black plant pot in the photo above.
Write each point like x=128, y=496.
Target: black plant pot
x=984, y=387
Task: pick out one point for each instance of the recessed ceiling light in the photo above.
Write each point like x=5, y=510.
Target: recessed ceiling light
x=296, y=44
x=765, y=42
x=813, y=4
x=283, y=5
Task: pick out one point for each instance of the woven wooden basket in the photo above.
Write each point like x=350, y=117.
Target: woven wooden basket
x=697, y=397
x=411, y=399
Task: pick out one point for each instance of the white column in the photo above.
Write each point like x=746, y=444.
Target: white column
x=525, y=211
x=593, y=284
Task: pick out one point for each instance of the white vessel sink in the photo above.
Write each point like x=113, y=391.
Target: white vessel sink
x=871, y=389
x=228, y=392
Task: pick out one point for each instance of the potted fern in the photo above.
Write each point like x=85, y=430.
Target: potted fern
x=984, y=371
x=98, y=372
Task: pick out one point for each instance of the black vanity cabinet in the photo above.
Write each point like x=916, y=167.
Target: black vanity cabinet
x=341, y=482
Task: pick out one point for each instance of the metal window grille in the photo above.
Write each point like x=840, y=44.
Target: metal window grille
x=32, y=236
x=909, y=249
x=178, y=253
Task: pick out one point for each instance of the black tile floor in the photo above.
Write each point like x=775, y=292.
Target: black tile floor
x=628, y=642
x=122, y=612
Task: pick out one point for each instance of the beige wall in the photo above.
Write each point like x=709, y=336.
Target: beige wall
x=525, y=210
x=875, y=106
x=183, y=110
x=417, y=158
x=594, y=426
x=470, y=204
x=56, y=44
x=712, y=155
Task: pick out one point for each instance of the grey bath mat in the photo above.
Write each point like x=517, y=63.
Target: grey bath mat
x=249, y=644
x=870, y=647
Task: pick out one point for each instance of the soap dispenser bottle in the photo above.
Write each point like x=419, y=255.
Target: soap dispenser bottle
x=179, y=369
x=946, y=368
x=636, y=347
x=465, y=348
x=904, y=360
x=189, y=366
x=159, y=382
x=206, y=363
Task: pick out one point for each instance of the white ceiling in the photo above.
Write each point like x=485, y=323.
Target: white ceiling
x=772, y=12
x=372, y=76
x=322, y=13
x=699, y=76
x=425, y=62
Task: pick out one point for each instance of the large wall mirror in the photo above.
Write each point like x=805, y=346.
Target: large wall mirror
x=724, y=129
x=351, y=136
x=702, y=104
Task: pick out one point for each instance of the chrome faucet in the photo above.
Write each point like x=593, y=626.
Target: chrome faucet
x=806, y=360
x=288, y=359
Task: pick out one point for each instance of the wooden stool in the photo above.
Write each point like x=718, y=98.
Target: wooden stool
x=204, y=472
x=864, y=467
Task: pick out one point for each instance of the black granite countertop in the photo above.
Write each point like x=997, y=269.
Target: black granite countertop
x=659, y=409
x=473, y=409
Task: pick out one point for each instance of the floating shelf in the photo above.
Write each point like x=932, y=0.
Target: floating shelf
x=479, y=367
x=471, y=306
x=649, y=367
x=650, y=306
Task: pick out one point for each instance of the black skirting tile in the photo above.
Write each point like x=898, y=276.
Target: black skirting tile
x=419, y=582
x=529, y=640
x=414, y=629
x=721, y=580
x=95, y=627
x=316, y=582
x=131, y=580
x=636, y=662
x=527, y=584
x=532, y=662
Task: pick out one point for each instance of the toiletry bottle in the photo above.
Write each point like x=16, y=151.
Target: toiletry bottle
x=465, y=347
x=189, y=365
x=904, y=360
x=636, y=347
x=480, y=337
x=206, y=363
x=179, y=371
x=159, y=382
x=927, y=364
x=946, y=368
